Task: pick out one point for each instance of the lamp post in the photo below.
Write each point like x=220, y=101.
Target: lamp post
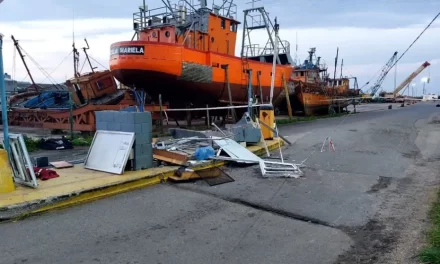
x=424, y=81
x=3, y=98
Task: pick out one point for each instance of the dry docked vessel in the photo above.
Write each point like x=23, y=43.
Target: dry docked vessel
x=186, y=53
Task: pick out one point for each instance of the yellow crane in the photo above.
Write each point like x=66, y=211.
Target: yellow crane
x=409, y=79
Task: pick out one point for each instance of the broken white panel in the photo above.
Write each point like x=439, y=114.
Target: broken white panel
x=237, y=151
x=20, y=161
x=279, y=169
x=109, y=151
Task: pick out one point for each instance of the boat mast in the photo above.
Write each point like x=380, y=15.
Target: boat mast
x=334, y=76
x=342, y=64
x=254, y=22
x=24, y=62
x=87, y=56
x=336, y=65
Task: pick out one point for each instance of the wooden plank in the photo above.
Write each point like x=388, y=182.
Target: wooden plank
x=170, y=157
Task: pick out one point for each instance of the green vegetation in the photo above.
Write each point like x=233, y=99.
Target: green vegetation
x=307, y=118
x=82, y=141
x=31, y=144
x=34, y=144
x=431, y=253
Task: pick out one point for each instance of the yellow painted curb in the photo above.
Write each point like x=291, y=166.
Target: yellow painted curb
x=6, y=182
x=94, y=195
x=100, y=193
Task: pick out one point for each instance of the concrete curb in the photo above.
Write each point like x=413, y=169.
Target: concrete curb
x=21, y=211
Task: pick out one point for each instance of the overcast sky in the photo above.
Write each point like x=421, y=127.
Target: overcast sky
x=367, y=33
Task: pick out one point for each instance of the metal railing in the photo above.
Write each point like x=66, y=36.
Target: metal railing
x=180, y=14
x=255, y=49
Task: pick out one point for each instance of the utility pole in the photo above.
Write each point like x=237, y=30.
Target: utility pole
x=274, y=62
x=3, y=99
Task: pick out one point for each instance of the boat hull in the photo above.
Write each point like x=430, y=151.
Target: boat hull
x=314, y=104
x=184, y=75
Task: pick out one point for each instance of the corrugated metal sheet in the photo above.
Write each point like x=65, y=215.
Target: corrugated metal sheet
x=193, y=72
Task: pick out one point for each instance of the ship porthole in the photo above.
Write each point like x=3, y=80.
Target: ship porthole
x=212, y=39
x=167, y=34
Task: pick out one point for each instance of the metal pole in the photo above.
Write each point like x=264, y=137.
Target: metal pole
x=24, y=62
x=259, y=85
x=161, y=114
x=71, y=115
x=250, y=93
x=234, y=115
x=275, y=58
x=286, y=91
x=208, y=119
x=3, y=99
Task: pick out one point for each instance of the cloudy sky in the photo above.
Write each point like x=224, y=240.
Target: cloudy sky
x=367, y=33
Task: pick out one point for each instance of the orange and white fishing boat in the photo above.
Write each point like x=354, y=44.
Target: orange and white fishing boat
x=186, y=54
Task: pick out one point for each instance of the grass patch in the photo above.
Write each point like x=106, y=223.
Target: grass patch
x=31, y=144
x=431, y=253
x=306, y=118
x=82, y=141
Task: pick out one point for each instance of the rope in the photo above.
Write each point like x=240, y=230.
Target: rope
x=39, y=67
x=57, y=66
x=432, y=21
x=214, y=108
x=98, y=62
x=82, y=67
x=331, y=145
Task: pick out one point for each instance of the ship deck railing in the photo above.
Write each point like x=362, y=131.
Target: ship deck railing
x=254, y=50
x=178, y=14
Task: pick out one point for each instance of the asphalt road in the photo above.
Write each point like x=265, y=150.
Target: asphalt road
x=364, y=203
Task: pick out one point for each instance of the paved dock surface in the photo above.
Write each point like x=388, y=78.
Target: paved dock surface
x=367, y=107
x=364, y=203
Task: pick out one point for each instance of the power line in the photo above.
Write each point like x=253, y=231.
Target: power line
x=432, y=21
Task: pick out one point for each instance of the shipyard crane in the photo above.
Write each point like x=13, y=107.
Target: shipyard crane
x=383, y=74
x=409, y=79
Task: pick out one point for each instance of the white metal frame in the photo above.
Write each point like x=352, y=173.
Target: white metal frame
x=20, y=162
x=117, y=168
x=279, y=169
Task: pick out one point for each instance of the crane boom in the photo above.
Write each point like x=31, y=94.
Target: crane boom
x=410, y=78
x=383, y=74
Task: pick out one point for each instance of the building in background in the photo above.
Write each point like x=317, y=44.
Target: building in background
x=430, y=97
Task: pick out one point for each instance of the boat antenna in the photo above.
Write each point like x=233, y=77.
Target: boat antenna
x=17, y=46
x=87, y=56
x=296, y=49
x=74, y=51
